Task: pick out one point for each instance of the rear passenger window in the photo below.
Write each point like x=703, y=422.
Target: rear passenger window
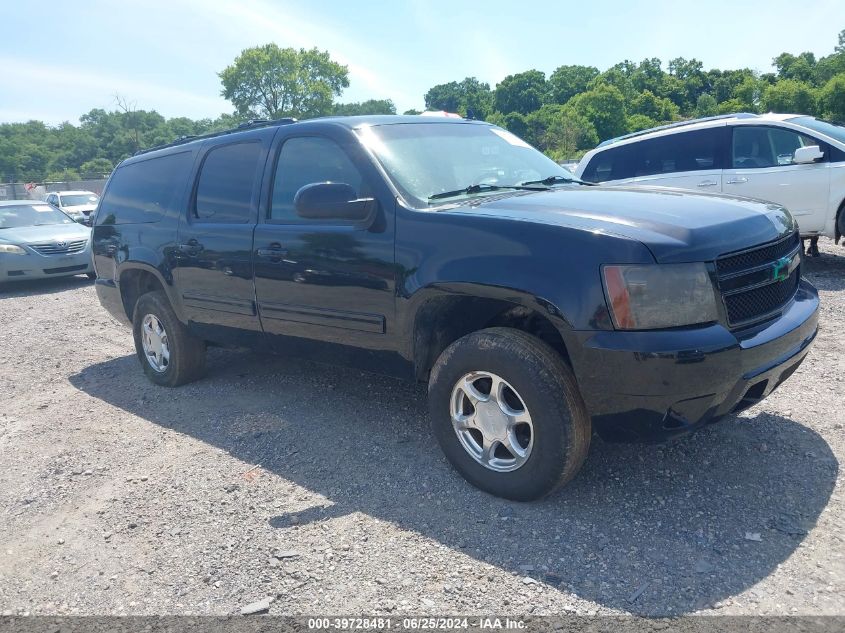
x=679, y=152
x=227, y=183
x=306, y=160
x=145, y=191
x=611, y=164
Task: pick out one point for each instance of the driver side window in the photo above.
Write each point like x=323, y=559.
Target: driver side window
x=758, y=147
x=307, y=160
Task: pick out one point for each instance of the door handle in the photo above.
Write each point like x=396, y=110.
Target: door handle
x=737, y=181
x=191, y=247
x=707, y=183
x=274, y=253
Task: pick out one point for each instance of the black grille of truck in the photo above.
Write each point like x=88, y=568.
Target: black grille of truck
x=750, y=286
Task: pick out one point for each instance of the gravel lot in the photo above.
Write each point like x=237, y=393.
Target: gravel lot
x=320, y=487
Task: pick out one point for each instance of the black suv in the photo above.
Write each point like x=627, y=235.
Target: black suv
x=537, y=308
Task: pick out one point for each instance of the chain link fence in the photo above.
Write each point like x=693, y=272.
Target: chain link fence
x=37, y=190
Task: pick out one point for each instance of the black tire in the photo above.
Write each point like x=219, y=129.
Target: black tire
x=187, y=353
x=547, y=387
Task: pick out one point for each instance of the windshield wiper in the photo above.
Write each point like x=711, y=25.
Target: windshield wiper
x=553, y=180
x=479, y=188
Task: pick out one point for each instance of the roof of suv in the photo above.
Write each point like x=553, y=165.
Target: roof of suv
x=705, y=122
x=351, y=122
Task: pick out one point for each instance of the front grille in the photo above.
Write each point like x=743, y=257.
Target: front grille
x=61, y=248
x=745, y=306
x=750, y=289
x=766, y=253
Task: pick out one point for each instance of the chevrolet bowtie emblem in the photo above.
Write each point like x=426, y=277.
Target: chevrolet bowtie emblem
x=783, y=267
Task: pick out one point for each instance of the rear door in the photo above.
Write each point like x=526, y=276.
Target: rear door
x=213, y=269
x=326, y=288
x=688, y=160
x=761, y=167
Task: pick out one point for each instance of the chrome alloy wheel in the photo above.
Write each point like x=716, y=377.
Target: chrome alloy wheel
x=154, y=341
x=491, y=421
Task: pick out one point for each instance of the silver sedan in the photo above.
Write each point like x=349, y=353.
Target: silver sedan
x=39, y=241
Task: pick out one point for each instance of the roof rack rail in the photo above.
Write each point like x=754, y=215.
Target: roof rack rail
x=246, y=125
x=668, y=126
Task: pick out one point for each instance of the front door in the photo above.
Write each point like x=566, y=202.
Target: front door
x=325, y=288
x=761, y=167
x=213, y=271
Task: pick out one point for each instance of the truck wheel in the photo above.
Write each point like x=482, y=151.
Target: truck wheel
x=169, y=354
x=507, y=413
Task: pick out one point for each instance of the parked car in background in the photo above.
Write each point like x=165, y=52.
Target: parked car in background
x=37, y=240
x=79, y=205
x=452, y=252
x=793, y=160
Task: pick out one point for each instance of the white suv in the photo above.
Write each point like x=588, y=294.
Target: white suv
x=792, y=160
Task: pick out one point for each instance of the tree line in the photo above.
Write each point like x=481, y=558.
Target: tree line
x=564, y=114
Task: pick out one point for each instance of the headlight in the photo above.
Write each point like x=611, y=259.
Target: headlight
x=11, y=249
x=659, y=296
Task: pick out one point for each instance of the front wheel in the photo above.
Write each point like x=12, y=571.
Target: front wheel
x=169, y=354
x=507, y=413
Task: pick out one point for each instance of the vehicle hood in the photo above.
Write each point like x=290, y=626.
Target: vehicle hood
x=49, y=233
x=676, y=225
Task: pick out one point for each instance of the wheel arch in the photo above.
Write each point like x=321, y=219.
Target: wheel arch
x=443, y=315
x=136, y=279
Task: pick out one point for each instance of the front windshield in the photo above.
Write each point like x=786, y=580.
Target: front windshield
x=15, y=216
x=72, y=200
x=836, y=132
x=425, y=159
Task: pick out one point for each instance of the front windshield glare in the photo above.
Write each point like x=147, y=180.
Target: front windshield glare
x=15, y=216
x=425, y=159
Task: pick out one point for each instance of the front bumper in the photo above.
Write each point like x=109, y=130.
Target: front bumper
x=35, y=266
x=651, y=386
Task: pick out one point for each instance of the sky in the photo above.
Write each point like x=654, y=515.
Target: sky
x=59, y=59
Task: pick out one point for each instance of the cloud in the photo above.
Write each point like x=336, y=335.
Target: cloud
x=370, y=70
x=97, y=88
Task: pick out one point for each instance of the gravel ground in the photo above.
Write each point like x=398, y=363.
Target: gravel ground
x=321, y=488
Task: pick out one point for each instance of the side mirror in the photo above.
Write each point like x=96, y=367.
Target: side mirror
x=808, y=154
x=331, y=201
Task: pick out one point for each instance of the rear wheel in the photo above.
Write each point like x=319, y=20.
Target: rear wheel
x=170, y=356
x=507, y=413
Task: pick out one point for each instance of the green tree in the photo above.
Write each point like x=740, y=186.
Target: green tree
x=637, y=122
x=412, y=111
x=279, y=82
x=832, y=98
x=371, y=106
x=748, y=93
x=469, y=98
x=60, y=175
x=523, y=92
x=604, y=107
x=567, y=81
x=789, y=96
x=96, y=168
x=654, y=107
x=800, y=68
x=731, y=106
x=706, y=105
x=559, y=131
x=648, y=76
